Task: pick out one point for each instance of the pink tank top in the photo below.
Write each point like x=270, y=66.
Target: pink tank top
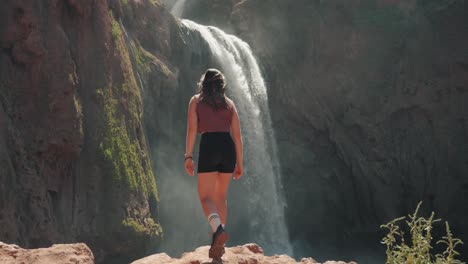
x=210, y=120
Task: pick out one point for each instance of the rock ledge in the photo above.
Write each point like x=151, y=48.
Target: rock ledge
x=59, y=253
x=246, y=254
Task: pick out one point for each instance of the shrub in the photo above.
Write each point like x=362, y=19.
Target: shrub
x=418, y=250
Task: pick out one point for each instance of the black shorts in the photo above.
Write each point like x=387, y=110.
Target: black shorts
x=216, y=153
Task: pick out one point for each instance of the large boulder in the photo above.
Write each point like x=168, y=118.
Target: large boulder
x=61, y=253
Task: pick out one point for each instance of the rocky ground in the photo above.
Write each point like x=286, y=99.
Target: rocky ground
x=81, y=254
x=246, y=254
x=60, y=253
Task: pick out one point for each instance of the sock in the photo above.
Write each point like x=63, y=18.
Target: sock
x=214, y=220
x=222, y=225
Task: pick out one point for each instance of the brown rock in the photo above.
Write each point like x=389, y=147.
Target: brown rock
x=246, y=254
x=61, y=253
x=366, y=111
x=61, y=61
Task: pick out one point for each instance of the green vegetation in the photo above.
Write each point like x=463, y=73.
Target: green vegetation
x=418, y=251
x=145, y=60
x=79, y=110
x=122, y=147
x=116, y=145
x=128, y=168
x=115, y=30
x=151, y=228
x=72, y=78
x=77, y=103
x=155, y=2
x=122, y=151
x=129, y=89
x=120, y=144
x=142, y=57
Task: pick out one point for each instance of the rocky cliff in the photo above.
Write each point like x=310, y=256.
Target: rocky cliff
x=75, y=162
x=369, y=104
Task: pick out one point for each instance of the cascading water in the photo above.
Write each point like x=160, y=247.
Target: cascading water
x=261, y=186
x=178, y=8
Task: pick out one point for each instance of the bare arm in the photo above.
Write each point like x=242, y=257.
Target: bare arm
x=192, y=127
x=237, y=138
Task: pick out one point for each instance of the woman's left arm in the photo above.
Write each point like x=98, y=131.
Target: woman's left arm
x=192, y=127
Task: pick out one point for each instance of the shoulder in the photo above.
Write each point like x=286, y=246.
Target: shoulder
x=230, y=103
x=194, y=99
x=193, y=104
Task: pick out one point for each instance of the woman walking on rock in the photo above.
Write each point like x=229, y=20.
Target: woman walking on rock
x=214, y=115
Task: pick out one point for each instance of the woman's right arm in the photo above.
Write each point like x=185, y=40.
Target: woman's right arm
x=192, y=127
x=237, y=138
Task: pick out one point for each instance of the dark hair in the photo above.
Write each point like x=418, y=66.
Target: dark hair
x=211, y=87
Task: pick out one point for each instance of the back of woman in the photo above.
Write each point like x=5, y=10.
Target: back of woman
x=215, y=116
x=211, y=119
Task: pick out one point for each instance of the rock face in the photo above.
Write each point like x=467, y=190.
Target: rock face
x=74, y=159
x=369, y=104
x=61, y=253
x=90, y=96
x=246, y=254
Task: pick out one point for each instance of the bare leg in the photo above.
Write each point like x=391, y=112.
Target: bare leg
x=206, y=192
x=222, y=184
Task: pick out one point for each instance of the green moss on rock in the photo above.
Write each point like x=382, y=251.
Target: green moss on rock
x=122, y=151
x=145, y=61
x=148, y=227
x=129, y=182
x=115, y=30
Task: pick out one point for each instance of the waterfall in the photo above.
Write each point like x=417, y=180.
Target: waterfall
x=261, y=188
x=178, y=8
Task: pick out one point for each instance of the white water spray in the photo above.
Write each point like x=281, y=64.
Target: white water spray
x=261, y=180
x=178, y=8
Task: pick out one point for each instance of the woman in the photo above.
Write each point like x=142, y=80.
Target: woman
x=214, y=115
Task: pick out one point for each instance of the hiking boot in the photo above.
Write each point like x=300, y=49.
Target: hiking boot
x=217, y=244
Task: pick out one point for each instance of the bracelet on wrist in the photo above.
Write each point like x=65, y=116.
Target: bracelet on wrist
x=188, y=157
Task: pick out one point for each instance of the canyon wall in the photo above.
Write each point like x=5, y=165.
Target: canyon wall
x=74, y=155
